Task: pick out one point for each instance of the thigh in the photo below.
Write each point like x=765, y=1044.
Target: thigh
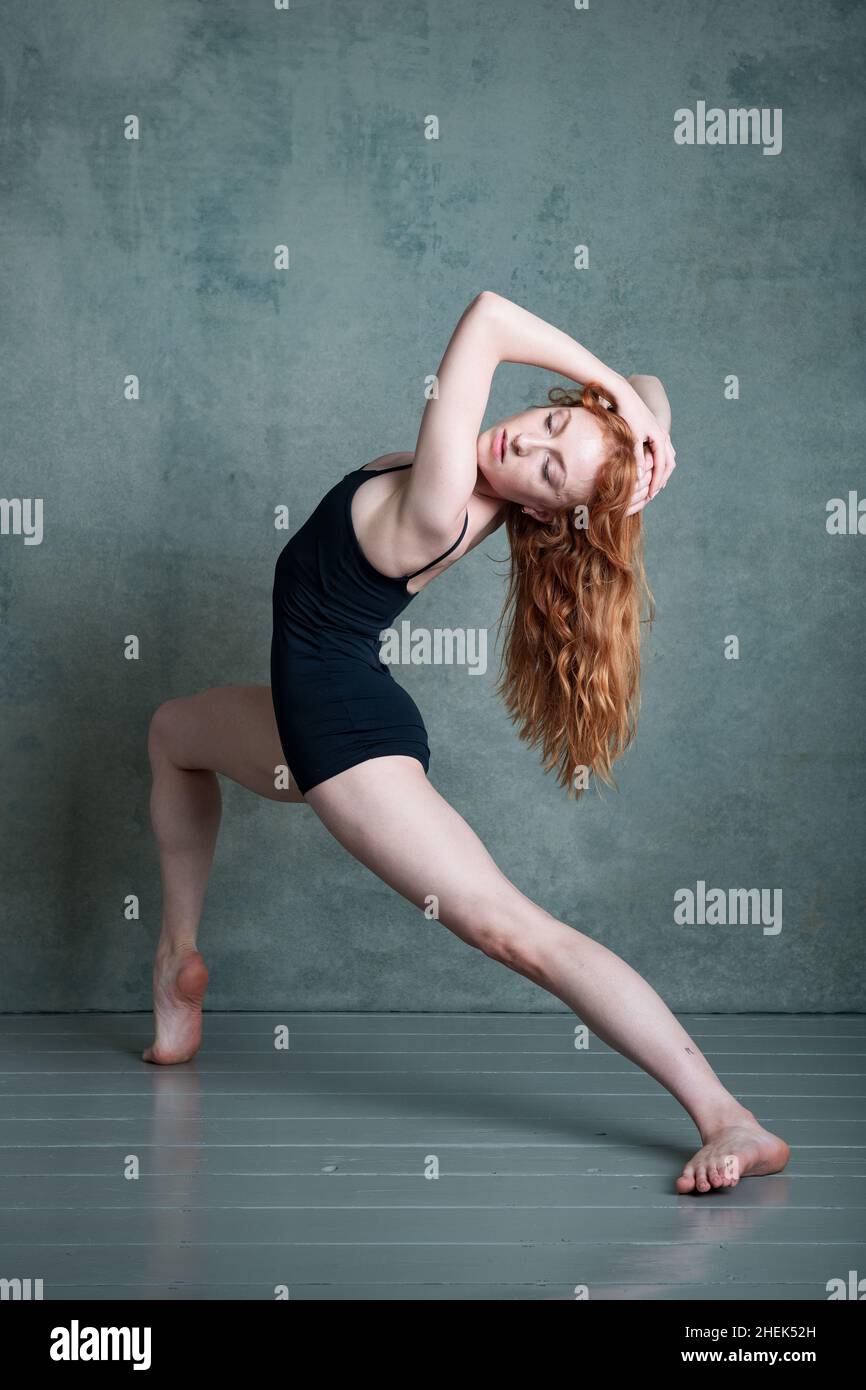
x=387, y=814
x=230, y=730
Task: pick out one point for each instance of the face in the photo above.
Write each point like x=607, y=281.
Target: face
x=546, y=459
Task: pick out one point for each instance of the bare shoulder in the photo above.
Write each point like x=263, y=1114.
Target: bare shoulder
x=386, y=461
x=384, y=537
x=486, y=514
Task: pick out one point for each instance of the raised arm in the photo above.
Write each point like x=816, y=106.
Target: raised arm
x=651, y=391
x=491, y=330
x=445, y=468
x=522, y=337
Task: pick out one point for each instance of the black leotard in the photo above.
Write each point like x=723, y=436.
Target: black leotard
x=336, y=703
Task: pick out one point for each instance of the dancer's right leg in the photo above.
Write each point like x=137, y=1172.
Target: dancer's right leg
x=387, y=814
x=229, y=730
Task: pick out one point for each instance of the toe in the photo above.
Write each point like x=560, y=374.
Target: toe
x=686, y=1180
x=702, y=1181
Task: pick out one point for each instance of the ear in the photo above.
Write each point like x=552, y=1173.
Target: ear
x=538, y=515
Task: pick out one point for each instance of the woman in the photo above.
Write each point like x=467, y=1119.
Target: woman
x=569, y=481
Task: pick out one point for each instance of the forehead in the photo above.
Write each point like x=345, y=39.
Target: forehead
x=583, y=419
x=583, y=432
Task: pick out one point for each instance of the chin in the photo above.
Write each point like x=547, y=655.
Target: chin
x=490, y=481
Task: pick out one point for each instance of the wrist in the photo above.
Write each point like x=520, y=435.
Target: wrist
x=618, y=389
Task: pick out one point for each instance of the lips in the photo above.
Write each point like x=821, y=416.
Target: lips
x=500, y=446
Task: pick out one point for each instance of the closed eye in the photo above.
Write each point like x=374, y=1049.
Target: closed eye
x=546, y=469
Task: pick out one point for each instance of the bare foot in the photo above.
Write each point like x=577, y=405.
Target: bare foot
x=179, y=984
x=735, y=1148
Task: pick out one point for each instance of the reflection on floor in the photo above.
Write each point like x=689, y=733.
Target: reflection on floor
x=418, y=1156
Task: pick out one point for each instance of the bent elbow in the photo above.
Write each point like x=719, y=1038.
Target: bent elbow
x=485, y=299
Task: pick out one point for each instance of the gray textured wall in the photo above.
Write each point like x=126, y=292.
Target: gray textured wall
x=261, y=387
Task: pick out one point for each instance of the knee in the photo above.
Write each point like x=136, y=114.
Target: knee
x=499, y=933
x=164, y=726
x=516, y=950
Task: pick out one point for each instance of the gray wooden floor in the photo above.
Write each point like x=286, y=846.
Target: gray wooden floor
x=262, y=1167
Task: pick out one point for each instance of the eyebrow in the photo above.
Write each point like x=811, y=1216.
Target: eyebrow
x=556, y=409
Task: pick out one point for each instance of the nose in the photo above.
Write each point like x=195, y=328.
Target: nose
x=522, y=444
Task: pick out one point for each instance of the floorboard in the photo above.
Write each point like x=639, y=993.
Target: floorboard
x=258, y=1166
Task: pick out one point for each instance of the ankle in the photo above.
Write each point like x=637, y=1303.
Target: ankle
x=721, y=1115
x=173, y=948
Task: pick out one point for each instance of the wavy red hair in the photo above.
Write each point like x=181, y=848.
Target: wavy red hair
x=571, y=660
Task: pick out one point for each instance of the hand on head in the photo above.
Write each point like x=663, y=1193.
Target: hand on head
x=647, y=484
x=654, y=453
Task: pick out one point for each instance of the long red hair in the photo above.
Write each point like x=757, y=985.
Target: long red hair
x=571, y=660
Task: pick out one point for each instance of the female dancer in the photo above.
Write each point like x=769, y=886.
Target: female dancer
x=569, y=481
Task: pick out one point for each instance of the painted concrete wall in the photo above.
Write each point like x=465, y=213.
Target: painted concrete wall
x=733, y=272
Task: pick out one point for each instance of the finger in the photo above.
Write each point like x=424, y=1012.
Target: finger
x=645, y=462
x=643, y=456
x=669, y=463
x=637, y=503
x=658, y=466
x=654, y=443
x=640, y=489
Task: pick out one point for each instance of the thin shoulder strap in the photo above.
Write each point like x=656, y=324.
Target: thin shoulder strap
x=374, y=472
x=393, y=468
x=445, y=553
